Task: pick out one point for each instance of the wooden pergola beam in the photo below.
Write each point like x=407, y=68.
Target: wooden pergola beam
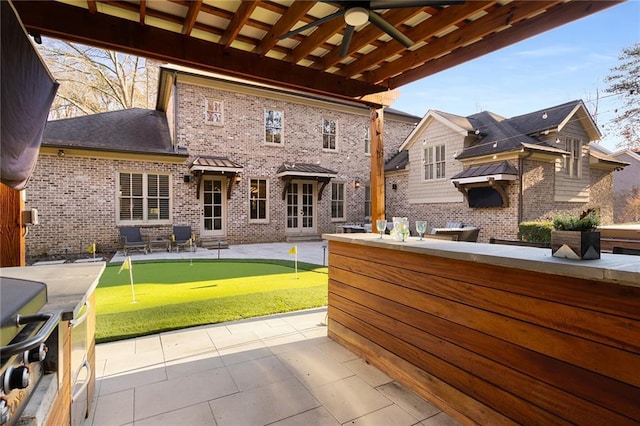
x=78, y=25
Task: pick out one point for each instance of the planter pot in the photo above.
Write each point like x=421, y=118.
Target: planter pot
x=575, y=244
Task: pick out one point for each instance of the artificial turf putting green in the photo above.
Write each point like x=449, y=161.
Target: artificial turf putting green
x=173, y=295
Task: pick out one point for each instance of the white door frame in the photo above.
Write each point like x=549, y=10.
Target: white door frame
x=305, y=223
x=213, y=204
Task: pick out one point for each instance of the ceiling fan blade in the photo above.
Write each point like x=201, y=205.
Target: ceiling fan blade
x=391, y=4
x=346, y=40
x=379, y=22
x=312, y=24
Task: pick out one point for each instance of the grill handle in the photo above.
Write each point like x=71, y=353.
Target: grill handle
x=50, y=320
x=77, y=321
x=79, y=392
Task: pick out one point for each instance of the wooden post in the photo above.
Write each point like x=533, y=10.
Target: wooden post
x=12, y=241
x=376, y=126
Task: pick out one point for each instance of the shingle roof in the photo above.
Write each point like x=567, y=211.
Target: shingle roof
x=131, y=130
x=497, y=135
x=397, y=162
x=544, y=119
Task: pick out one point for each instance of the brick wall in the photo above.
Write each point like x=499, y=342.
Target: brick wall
x=241, y=140
x=76, y=202
x=76, y=196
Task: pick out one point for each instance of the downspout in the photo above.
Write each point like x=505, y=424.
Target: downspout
x=521, y=191
x=175, y=111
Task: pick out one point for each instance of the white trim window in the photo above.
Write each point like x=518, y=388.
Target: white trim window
x=259, y=200
x=574, y=160
x=144, y=198
x=337, y=200
x=329, y=132
x=214, y=112
x=367, y=140
x=434, y=162
x=273, y=126
x=367, y=201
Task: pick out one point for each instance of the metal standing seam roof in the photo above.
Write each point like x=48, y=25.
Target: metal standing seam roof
x=304, y=169
x=216, y=164
x=503, y=168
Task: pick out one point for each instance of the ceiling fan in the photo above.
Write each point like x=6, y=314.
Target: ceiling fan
x=358, y=13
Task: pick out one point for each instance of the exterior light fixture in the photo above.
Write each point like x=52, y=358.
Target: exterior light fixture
x=238, y=178
x=356, y=16
x=356, y=184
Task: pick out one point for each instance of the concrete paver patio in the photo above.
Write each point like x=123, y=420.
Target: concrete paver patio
x=277, y=370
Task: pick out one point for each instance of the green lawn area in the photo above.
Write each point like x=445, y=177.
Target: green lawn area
x=173, y=295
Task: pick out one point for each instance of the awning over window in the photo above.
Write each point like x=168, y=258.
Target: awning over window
x=215, y=166
x=485, y=173
x=304, y=171
x=486, y=185
x=220, y=165
x=290, y=171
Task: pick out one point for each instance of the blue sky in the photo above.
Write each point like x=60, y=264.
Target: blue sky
x=561, y=65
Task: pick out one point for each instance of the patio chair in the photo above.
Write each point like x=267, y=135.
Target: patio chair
x=519, y=243
x=183, y=237
x=625, y=250
x=131, y=238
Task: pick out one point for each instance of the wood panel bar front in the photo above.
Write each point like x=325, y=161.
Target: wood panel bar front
x=493, y=335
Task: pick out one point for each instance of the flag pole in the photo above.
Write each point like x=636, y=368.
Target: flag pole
x=133, y=292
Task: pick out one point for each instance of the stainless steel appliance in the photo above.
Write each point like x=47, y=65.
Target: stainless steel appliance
x=24, y=331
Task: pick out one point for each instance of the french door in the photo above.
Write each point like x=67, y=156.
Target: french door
x=301, y=211
x=214, y=207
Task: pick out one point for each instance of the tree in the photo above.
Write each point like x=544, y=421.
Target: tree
x=95, y=80
x=625, y=82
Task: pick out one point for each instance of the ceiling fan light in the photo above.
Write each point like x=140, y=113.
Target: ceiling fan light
x=356, y=16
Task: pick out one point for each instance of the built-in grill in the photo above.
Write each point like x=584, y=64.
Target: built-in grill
x=24, y=330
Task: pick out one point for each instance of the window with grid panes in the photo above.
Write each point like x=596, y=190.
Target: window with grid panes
x=434, y=162
x=272, y=126
x=258, y=200
x=337, y=200
x=573, y=160
x=329, y=129
x=143, y=198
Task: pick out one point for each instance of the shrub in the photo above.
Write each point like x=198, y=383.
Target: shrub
x=538, y=232
x=587, y=221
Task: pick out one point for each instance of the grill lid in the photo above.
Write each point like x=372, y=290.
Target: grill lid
x=18, y=296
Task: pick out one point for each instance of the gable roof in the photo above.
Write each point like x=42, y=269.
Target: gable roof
x=133, y=130
x=555, y=118
x=456, y=123
x=496, y=134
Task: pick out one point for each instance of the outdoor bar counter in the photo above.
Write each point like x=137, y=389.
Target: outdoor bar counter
x=493, y=334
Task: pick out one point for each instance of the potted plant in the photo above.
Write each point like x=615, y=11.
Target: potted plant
x=575, y=237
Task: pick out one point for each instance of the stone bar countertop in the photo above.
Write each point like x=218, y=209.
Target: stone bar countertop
x=68, y=285
x=613, y=268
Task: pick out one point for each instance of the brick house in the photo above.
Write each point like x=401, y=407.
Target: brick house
x=236, y=161
x=492, y=172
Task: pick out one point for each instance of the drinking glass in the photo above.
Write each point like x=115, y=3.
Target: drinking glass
x=381, y=226
x=421, y=227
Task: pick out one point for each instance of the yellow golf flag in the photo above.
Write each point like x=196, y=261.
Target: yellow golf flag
x=293, y=250
x=92, y=248
x=126, y=265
